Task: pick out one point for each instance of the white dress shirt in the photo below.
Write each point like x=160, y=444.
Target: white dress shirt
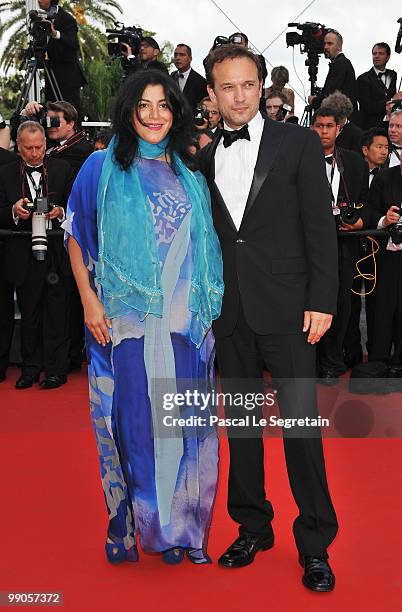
x=334, y=179
x=183, y=79
x=386, y=78
x=394, y=160
x=234, y=168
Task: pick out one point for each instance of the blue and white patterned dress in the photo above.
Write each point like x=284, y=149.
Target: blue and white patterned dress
x=160, y=487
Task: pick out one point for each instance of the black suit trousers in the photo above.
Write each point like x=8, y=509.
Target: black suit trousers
x=6, y=319
x=44, y=303
x=243, y=355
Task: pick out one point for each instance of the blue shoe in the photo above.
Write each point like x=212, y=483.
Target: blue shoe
x=198, y=556
x=173, y=556
x=116, y=553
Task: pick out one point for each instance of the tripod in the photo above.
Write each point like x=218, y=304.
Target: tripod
x=35, y=59
x=312, y=63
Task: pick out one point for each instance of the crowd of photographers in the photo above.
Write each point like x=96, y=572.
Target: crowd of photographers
x=359, y=123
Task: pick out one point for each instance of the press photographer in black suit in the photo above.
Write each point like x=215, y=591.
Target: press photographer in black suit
x=375, y=88
x=385, y=205
x=192, y=84
x=272, y=211
x=347, y=175
x=350, y=135
x=42, y=288
x=62, y=50
x=341, y=75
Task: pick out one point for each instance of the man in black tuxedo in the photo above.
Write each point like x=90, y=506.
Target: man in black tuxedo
x=62, y=50
x=41, y=285
x=347, y=175
x=192, y=84
x=375, y=88
x=341, y=75
x=385, y=205
x=272, y=212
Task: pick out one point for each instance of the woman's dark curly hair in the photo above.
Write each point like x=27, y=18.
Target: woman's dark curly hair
x=127, y=102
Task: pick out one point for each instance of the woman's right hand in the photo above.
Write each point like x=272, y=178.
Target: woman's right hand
x=95, y=319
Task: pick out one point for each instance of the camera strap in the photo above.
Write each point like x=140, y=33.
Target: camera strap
x=73, y=140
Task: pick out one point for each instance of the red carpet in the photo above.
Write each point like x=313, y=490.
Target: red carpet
x=54, y=523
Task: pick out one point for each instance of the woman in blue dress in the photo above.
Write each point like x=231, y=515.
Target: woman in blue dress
x=148, y=267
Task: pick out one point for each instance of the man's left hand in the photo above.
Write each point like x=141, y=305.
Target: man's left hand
x=317, y=323
x=57, y=212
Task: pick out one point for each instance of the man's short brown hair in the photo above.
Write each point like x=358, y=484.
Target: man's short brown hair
x=68, y=110
x=220, y=54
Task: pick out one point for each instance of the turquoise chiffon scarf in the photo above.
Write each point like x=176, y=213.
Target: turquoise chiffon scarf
x=128, y=264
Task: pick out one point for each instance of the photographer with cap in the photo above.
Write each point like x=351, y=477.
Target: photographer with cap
x=148, y=56
x=40, y=279
x=62, y=51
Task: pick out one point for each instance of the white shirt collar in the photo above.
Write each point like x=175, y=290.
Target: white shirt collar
x=378, y=71
x=185, y=74
x=255, y=125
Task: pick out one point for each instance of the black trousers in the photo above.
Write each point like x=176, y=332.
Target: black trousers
x=330, y=347
x=388, y=309
x=44, y=305
x=243, y=355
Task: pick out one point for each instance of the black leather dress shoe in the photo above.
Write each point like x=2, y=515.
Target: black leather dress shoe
x=352, y=358
x=318, y=575
x=26, y=381
x=244, y=549
x=53, y=382
x=328, y=378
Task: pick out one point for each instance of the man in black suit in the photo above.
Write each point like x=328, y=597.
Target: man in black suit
x=375, y=88
x=192, y=84
x=385, y=205
x=272, y=212
x=41, y=285
x=62, y=50
x=347, y=175
x=341, y=75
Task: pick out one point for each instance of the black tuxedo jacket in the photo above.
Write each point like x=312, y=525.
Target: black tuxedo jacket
x=350, y=138
x=6, y=157
x=372, y=96
x=74, y=155
x=385, y=191
x=63, y=53
x=283, y=259
x=17, y=251
x=354, y=185
x=341, y=76
x=195, y=88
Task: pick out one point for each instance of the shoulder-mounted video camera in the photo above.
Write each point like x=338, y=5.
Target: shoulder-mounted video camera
x=130, y=36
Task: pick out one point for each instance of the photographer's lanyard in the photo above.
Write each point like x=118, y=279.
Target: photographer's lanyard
x=334, y=178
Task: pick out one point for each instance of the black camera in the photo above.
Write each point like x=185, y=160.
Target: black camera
x=283, y=111
x=233, y=39
x=201, y=115
x=40, y=26
x=123, y=35
x=42, y=117
x=311, y=39
x=39, y=205
x=348, y=212
x=396, y=230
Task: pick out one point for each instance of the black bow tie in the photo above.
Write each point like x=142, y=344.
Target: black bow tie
x=329, y=159
x=230, y=136
x=31, y=169
x=180, y=75
x=374, y=171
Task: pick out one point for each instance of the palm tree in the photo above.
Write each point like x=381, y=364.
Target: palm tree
x=91, y=16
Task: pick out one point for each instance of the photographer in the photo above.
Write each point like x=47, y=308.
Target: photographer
x=277, y=106
x=62, y=50
x=66, y=142
x=341, y=74
x=385, y=204
x=148, y=56
x=347, y=175
x=39, y=276
x=214, y=116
